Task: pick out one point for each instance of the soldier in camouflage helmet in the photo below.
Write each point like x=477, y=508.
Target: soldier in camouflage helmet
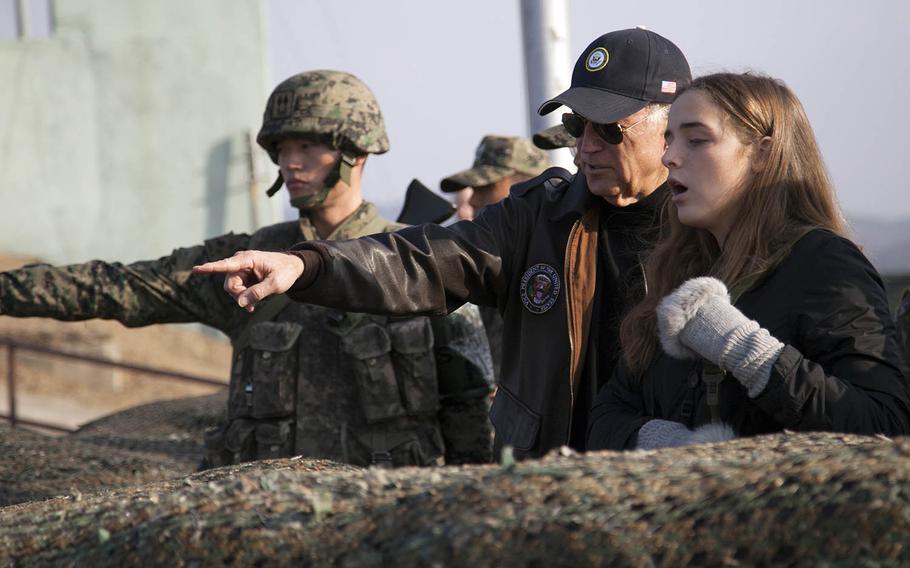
x=499, y=163
x=305, y=380
x=326, y=108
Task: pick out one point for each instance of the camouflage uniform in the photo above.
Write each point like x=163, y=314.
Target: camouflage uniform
x=305, y=380
x=902, y=318
x=497, y=157
x=311, y=380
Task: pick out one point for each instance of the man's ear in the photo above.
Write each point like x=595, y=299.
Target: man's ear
x=361, y=160
x=762, y=151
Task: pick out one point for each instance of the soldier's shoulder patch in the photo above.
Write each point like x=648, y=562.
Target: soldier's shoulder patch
x=540, y=286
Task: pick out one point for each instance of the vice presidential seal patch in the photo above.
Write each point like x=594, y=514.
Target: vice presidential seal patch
x=597, y=59
x=539, y=288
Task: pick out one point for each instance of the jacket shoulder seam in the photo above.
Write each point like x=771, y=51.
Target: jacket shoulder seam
x=544, y=179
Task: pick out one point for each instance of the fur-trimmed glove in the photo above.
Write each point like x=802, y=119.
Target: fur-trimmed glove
x=659, y=433
x=697, y=319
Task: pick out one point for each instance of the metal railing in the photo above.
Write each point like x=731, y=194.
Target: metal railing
x=13, y=345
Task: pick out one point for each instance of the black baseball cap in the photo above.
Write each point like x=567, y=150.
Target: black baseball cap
x=622, y=72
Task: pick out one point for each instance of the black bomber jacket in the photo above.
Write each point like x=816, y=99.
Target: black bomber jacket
x=840, y=369
x=533, y=255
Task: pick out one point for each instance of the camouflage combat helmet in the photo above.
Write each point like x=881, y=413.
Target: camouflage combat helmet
x=332, y=105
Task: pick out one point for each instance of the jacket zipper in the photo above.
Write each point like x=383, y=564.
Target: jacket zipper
x=569, y=330
x=571, y=245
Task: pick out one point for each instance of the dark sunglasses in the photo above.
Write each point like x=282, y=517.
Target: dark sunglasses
x=611, y=133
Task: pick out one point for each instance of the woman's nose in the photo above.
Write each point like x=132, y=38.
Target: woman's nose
x=670, y=157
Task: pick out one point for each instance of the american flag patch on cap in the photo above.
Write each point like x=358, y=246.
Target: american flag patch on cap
x=668, y=87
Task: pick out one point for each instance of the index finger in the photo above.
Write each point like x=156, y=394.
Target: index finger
x=232, y=264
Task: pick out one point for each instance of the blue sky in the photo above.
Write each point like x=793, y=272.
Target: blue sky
x=446, y=73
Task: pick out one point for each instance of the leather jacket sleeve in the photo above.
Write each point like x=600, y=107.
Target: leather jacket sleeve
x=427, y=269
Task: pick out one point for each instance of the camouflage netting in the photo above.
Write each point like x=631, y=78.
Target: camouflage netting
x=35, y=467
x=161, y=440
x=172, y=428
x=782, y=499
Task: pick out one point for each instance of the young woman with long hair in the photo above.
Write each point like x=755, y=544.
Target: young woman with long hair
x=760, y=315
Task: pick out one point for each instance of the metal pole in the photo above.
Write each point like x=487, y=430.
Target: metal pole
x=51, y=18
x=548, y=62
x=252, y=185
x=115, y=364
x=13, y=345
x=11, y=381
x=21, y=18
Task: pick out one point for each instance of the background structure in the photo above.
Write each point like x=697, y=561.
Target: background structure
x=123, y=126
x=122, y=129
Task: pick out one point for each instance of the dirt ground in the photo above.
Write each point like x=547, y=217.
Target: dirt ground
x=70, y=393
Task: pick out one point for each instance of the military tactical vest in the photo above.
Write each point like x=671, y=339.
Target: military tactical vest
x=349, y=387
x=323, y=383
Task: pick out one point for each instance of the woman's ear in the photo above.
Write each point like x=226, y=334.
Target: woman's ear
x=762, y=151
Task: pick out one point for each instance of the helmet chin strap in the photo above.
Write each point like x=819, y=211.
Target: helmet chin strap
x=276, y=185
x=341, y=172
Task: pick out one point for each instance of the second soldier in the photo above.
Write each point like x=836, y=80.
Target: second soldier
x=499, y=163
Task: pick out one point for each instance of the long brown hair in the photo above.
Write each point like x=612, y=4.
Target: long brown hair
x=790, y=195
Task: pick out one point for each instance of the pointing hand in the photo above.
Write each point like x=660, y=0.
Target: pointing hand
x=252, y=276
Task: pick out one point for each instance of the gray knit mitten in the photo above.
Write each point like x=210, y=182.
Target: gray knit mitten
x=659, y=433
x=697, y=319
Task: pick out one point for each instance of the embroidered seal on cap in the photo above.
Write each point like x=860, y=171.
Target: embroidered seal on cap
x=539, y=288
x=597, y=59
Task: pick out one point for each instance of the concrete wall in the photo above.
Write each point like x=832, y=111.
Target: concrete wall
x=123, y=134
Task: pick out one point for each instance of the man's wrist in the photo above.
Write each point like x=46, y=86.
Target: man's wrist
x=312, y=268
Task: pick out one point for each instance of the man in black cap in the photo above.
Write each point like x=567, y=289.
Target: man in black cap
x=559, y=257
